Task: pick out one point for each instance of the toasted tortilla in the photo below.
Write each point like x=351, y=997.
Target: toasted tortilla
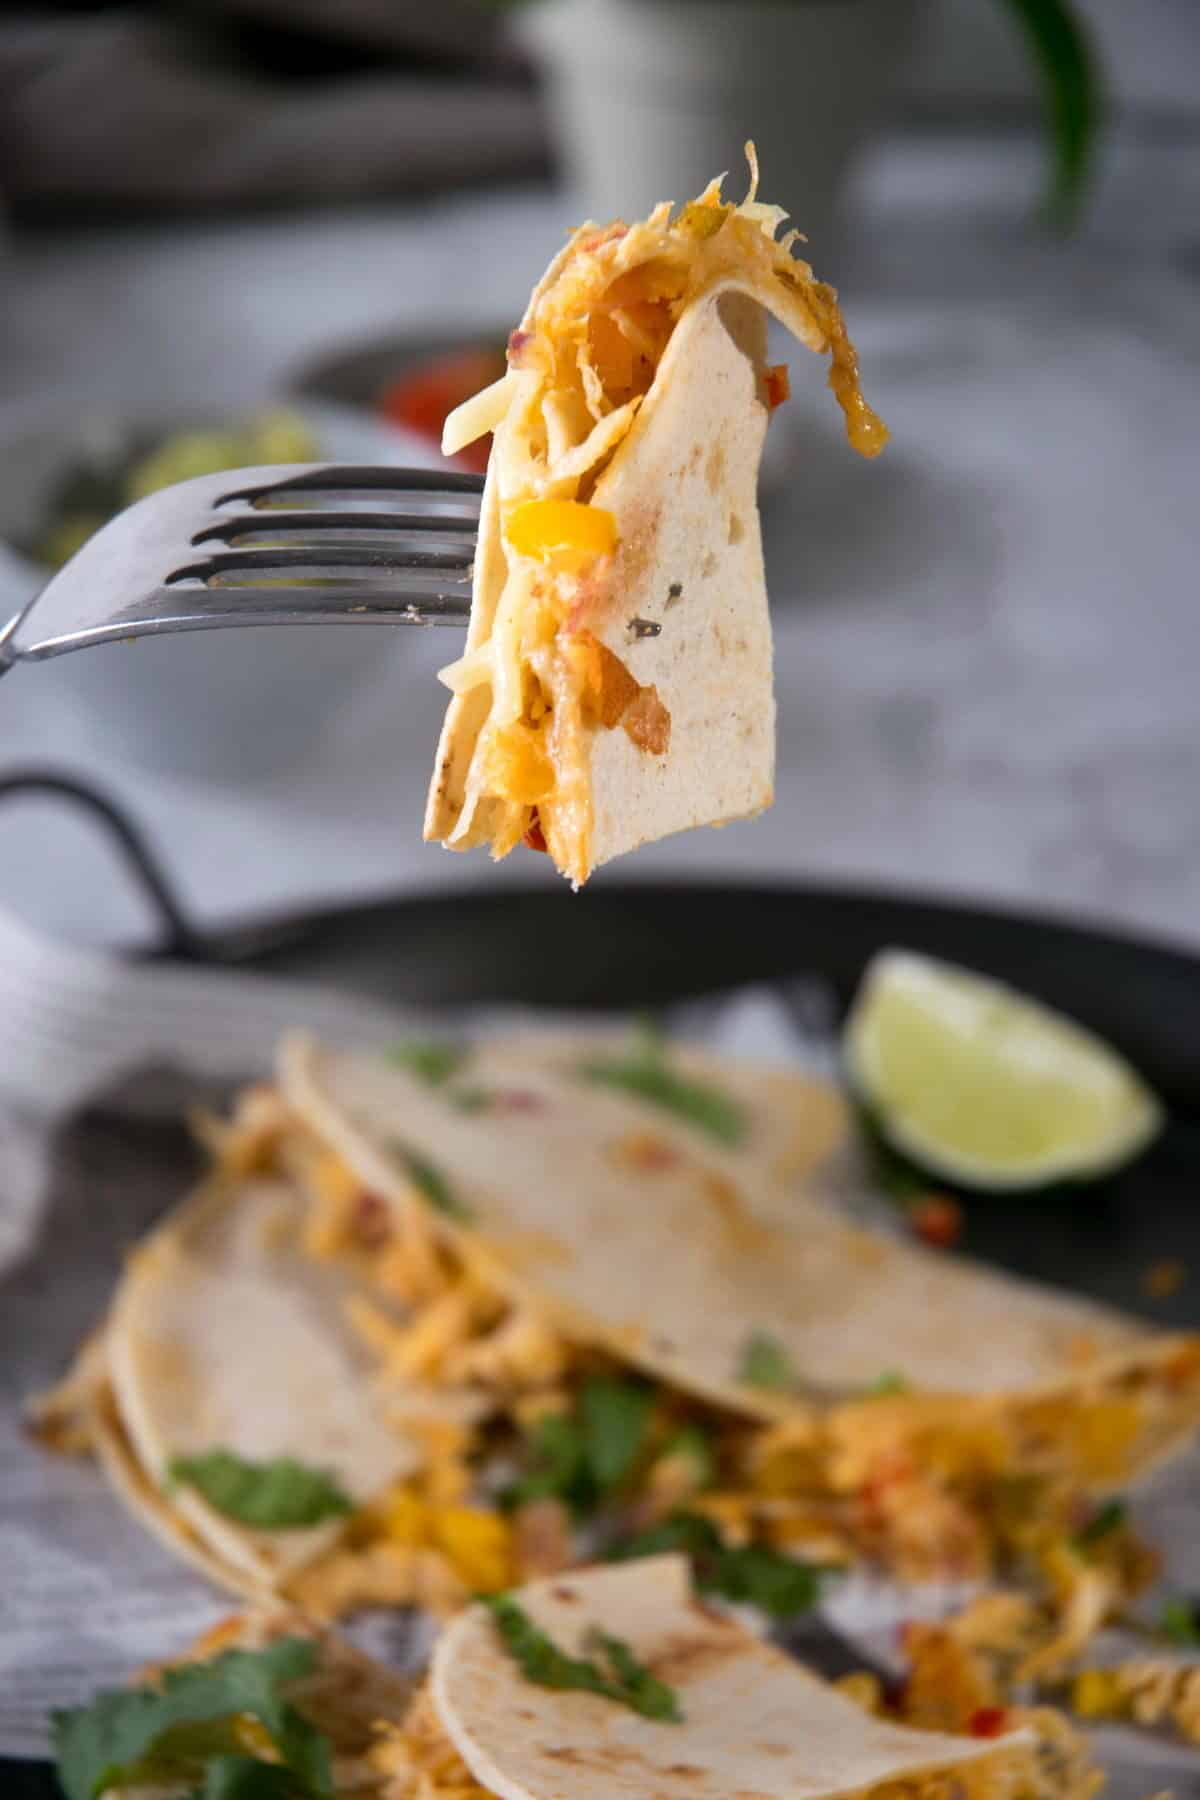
x=676, y=1261
x=753, y=1720
x=618, y=687
x=223, y=1335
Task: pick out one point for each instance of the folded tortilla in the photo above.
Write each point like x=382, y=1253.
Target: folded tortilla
x=750, y=1720
x=616, y=685
x=224, y=1336
x=675, y=1265
x=753, y=1721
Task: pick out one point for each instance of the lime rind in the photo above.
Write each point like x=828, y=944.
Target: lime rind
x=986, y=1088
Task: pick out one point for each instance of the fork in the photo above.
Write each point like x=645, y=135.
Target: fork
x=295, y=544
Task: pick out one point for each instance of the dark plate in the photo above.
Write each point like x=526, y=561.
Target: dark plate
x=619, y=946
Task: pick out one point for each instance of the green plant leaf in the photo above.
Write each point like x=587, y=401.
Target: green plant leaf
x=432, y=1060
x=1107, y=1518
x=582, y=1457
x=766, y=1364
x=540, y=1660
x=245, y=1778
x=283, y=1495
x=106, y=1744
x=778, y=1585
x=1178, y=1621
x=1070, y=74
x=644, y=1071
x=616, y=1416
x=430, y=1181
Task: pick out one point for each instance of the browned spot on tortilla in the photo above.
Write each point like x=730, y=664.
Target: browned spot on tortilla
x=692, y=1770
x=567, y=1595
x=565, y=1753
x=737, y=529
x=772, y=1749
x=708, y=567
x=648, y=723
x=523, y=1713
x=737, y=1221
x=638, y=548
x=693, y=461
x=714, y=468
x=685, y=1658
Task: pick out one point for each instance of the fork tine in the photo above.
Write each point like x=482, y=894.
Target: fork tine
x=258, y=523
x=352, y=478
x=258, y=564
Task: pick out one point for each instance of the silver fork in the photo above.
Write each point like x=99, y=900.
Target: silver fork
x=296, y=544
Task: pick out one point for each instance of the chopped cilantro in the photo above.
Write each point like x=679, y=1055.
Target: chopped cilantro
x=428, y=1178
x=584, y=1456
x=755, y=1574
x=691, y=1444
x=766, y=1364
x=245, y=1778
x=469, y=1099
x=890, y=1382
x=282, y=1495
x=1179, y=1622
x=614, y=1672
x=431, y=1060
x=1109, y=1517
x=129, y=1736
x=615, y=1418
x=643, y=1070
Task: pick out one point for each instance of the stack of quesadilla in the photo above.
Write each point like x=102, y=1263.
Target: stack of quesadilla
x=616, y=684
x=450, y=1317
x=613, y=1681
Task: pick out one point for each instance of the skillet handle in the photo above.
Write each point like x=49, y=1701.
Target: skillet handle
x=178, y=937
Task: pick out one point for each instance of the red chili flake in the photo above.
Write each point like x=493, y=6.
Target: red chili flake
x=988, y=1722
x=778, y=385
x=517, y=1100
x=937, y=1221
x=372, y=1223
x=535, y=837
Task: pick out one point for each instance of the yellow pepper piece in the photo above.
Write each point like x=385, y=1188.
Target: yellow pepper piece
x=479, y=1544
x=405, y=1517
x=565, y=533
x=1095, y=1694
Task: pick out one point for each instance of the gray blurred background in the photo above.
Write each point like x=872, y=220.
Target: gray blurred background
x=317, y=218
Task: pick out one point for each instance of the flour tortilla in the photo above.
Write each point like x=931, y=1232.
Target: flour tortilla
x=682, y=488
x=754, y=1721
x=223, y=1335
x=674, y=1269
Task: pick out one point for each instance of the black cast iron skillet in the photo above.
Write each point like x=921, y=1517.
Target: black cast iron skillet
x=633, y=946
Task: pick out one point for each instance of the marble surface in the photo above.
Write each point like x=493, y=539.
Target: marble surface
x=987, y=642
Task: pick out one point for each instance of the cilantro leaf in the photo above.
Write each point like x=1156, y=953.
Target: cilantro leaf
x=104, y=1744
x=1109, y=1517
x=245, y=1778
x=431, y=1060
x=429, y=1179
x=558, y=1466
x=890, y=1382
x=282, y=1495
x=1179, y=1622
x=615, y=1419
x=583, y=1457
x=692, y=1444
x=778, y=1585
x=540, y=1660
x=644, y=1071
x=766, y=1364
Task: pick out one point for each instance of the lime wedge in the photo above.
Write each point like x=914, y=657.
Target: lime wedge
x=985, y=1087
